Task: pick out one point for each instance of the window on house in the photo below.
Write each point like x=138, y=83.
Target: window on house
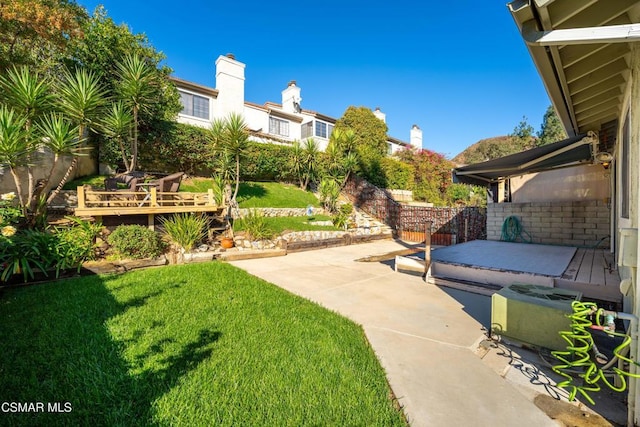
x=624, y=169
x=307, y=130
x=321, y=129
x=194, y=105
x=278, y=127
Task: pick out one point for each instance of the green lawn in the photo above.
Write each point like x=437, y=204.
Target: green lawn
x=198, y=344
x=261, y=194
x=292, y=223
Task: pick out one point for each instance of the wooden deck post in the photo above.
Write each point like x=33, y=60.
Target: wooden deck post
x=211, y=200
x=427, y=247
x=154, y=197
x=81, y=197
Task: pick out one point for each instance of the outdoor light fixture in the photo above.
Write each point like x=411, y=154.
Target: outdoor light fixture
x=604, y=159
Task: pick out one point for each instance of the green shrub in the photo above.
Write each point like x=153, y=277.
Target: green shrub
x=25, y=251
x=398, y=175
x=185, y=230
x=136, y=241
x=267, y=162
x=341, y=218
x=329, y=194
x=255, y=224
x=76, y=244
x=10, y=212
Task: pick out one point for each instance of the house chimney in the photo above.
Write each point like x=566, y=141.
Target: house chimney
x=416, y=136
x=291, y=98
x=380, y=115
x=230, y=85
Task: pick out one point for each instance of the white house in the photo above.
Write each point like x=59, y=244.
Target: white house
x=588, y=56
x=280, y=123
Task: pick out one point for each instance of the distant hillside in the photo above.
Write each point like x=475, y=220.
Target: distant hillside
x=488, y=149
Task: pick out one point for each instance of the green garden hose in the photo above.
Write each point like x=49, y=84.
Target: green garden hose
x=512, y=230
x=578, y=354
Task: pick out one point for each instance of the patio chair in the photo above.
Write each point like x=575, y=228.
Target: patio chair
x=167, y=184
x=111, y=185
x=171, y=183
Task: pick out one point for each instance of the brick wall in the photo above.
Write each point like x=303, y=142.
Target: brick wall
x=583, y=223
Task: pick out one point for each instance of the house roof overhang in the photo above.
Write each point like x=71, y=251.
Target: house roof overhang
x=569, y=152
x=582, y=52
x=194, y=87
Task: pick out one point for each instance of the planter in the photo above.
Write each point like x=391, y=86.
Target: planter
x=226, y=242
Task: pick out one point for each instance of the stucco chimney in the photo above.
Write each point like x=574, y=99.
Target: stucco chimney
x=380, y=115
x=416, y=136
x=230, y=85
x=291, y=98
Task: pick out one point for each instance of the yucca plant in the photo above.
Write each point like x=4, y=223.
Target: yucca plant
x=255, y=224
x=81, y=99
x=116, y=125
x=186, y=230
x=136, y=88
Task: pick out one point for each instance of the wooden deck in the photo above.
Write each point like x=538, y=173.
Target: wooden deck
x=98, y=203
x=594, y=273
x=492, y=265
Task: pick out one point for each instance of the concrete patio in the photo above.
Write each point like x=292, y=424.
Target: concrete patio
x=431, y=341
x=485, y=266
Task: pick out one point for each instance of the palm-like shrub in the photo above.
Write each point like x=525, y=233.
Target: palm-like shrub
x=255, y=225
x=186, y=230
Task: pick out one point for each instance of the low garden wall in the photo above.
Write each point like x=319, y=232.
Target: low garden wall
x=300, y=240
x=278, y=212
x=578, y=223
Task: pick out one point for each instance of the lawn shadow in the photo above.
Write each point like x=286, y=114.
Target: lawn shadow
x=58, y=348
x=250, y=190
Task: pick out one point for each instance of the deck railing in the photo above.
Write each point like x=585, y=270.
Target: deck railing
x=146, y=201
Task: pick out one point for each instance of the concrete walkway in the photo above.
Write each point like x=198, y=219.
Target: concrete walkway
x=426, y=337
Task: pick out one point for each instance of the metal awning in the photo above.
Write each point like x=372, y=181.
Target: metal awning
x=569, y=152
x=583, y=52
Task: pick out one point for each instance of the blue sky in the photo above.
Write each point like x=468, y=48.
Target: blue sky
x=461, y=73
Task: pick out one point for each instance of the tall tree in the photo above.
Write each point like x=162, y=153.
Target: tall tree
x=551, y=129
x=370, y=138
x=522, y=136
x=37, y=32
x=105, y=45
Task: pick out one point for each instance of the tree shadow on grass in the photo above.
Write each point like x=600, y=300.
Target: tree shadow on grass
x=250, y=190
x=57, y=347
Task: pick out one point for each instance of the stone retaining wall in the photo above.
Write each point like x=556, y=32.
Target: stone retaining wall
x=278, y=212
x=579, y=223
x=302, y=237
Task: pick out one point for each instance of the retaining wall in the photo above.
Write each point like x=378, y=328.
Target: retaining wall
x=580, y=223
